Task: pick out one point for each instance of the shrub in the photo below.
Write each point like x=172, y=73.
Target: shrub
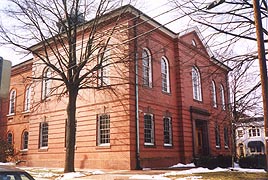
x=211, y=162
x=253, y=161
x=6, y=151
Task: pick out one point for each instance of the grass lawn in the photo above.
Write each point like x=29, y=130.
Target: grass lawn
x=226, y=176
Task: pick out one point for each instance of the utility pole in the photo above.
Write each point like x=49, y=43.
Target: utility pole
x=263, y=70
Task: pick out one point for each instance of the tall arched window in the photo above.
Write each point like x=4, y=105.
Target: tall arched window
x=46, y=83
x=222, y=97
x=12, y=101
x=196, y=81
x=10, y=138
x=104, y=70
x=146, y=68
x=25, y=139
x=27, y=99
x=214, y=94
x=165, y=75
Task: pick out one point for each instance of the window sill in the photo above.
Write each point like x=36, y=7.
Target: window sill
x=168, y=145
x=149, y=144
x=198, y=101
x=103, y=146
x=218, y=147
x=24, y=151
x=166, y=93
x=226, y=147
x=11, y=114
x=26, y=112
x=43, y=149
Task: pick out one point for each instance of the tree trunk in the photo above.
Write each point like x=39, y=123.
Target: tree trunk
x=70, y=131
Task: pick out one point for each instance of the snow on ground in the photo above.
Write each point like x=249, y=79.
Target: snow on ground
x=194, y=170
x=158, y=177
x=180, y=165
x=7, y=164
x=70, y=176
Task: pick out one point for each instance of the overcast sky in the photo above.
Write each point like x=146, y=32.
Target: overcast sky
x=150, y=7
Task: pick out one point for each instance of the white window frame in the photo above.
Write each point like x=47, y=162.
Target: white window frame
x=104, y=134
x=226, y=137
x=196, y=83
x=165, y=75
x=214, y=94
x=43, y=131
x=168, y=130
x=25, y=142
x=46, y=83
x=10, y=138
x=222, y=93
x=149, y=131
x=104, y=70
x=217, y=136
x=27, y=100
x=147, y=67
x=12, y=102
x=254, y=132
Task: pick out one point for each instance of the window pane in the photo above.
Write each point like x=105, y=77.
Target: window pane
x=27, y=99
x=10, y=138
x=148, y=129
x=104, y=129
x=25, y=140
x=167, y=131
x=164, y=75
x=146, y=68
x=44, y=135
x=196, y=83
x=214, y=95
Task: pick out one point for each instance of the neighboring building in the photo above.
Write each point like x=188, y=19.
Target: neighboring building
x=250, y=137
x=15, y=110
x=182, y=97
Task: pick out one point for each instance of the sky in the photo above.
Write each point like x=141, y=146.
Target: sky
x=150, y=7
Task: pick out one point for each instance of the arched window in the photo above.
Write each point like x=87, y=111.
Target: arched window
x=146, y=68
x=165, y=75
x=46, y=83
x=25, y=138
x=222, y=97
x=12, y=101
x=196, y=81
x=27, y=99
x=104, y=70
x=214, y=94
x=10, y=138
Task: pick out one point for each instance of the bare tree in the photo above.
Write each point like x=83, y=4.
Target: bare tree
x=231, y=34
x=59, y=36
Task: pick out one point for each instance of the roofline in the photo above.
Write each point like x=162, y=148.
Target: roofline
x=22, y=63
x=122, y=10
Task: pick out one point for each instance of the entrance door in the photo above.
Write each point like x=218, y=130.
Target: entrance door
x=201, y=138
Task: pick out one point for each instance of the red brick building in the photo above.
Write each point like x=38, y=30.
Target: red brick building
x=15, y=110
x=178, y=110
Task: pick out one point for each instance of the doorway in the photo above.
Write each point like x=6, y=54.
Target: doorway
x=201, y=138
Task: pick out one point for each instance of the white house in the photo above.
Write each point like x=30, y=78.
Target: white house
x=250, y=137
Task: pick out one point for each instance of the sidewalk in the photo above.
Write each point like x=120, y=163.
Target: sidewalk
x=116, y=175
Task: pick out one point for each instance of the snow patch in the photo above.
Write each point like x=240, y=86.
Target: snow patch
x=7, y=164
x=97, y=172
x=158, y=177
x=180, y=165
x=70, y=176
x=190, y=178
